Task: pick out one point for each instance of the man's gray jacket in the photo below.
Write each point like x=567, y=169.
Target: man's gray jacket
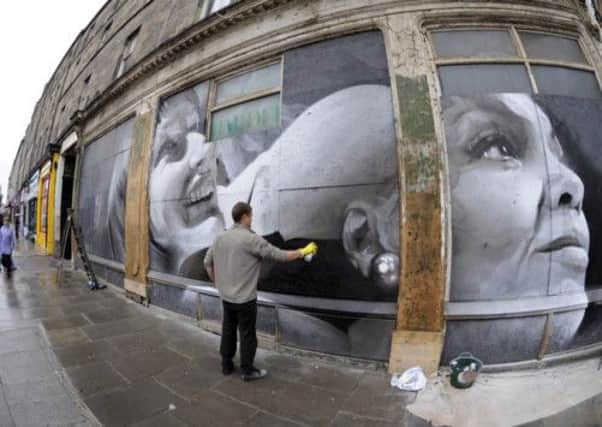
x=236, y=260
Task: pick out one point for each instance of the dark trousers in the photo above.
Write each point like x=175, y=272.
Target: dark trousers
x=243, y=317
x=7, y=262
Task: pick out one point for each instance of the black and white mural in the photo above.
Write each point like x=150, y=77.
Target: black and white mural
x=525, y=175
x=102, y=193
x=328, y=173
x=316, y=159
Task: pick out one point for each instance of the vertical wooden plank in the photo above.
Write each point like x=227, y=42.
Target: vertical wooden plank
x=136, y=207
x=418, y=336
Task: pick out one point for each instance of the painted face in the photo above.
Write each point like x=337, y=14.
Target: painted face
x=518, y=225
x=182, y=183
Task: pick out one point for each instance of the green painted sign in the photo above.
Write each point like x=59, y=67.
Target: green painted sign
x=259, y=114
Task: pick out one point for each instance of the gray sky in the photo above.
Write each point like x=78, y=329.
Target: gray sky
x=34, y=36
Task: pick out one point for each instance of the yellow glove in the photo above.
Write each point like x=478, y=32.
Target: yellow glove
x=310, y=249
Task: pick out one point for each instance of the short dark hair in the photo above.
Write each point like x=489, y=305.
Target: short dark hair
x=240, y=209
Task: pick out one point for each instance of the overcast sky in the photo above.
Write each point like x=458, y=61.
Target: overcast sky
x=34, y=36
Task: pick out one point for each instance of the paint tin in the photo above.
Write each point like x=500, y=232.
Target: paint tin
x=465, y=369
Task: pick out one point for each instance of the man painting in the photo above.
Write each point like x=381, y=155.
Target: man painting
x=233, y=262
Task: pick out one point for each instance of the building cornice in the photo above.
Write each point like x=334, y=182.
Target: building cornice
x=242, y=11
x=176, y=47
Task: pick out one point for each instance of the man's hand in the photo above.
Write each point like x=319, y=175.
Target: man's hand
x=311, y=249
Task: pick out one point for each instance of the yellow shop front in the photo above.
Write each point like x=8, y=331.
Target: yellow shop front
x=45, y=211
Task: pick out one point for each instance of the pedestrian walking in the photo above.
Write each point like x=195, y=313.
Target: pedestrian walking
x=7, y=245
x=233, y=263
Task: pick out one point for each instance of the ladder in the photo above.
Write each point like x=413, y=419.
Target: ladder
x=71, y=224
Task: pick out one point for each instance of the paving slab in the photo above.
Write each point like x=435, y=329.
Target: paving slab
x=94, y=378
x=54, y=412
x=35, y=391
x=22, y=339
x=333, y=378
x=14, y=302
x=345, y=419
x=193, y=346
x=139, y=365
x=305, y=403
x=263, y=419
x=83, y=307
x=6, y=325
x=66, y=336
x=375, y=398
x=10, y=314
x=119, y=327
x=73, y=321
x=24, y=366
x=162, y=420
x=137, y=402
x=82, y=353
x=175, y=328
x=41, y=312
x=189, y=380
x=6, y=419
x=100, y=313
x=211, y=409
x=142, y=341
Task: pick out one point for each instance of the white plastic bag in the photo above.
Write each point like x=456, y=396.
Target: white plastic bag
x=412, y=379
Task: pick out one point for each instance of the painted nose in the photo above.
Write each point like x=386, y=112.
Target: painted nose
x=196, y=148
x=566, y=189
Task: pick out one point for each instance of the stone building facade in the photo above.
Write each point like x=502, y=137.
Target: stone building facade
x=443, y=154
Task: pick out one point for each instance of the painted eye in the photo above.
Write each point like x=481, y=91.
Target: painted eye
x=496, y=152
x=172, y=150
x=494, y=147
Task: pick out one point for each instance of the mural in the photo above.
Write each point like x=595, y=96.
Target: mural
x=326, y=172
x=102, y=193
x=524, y=173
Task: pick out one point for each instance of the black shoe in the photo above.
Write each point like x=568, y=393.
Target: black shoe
x=254, y=374
x=227, y=369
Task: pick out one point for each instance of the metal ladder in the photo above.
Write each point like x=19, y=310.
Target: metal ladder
x=71, y=224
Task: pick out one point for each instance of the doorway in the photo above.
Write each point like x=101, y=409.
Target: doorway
x=66, y=201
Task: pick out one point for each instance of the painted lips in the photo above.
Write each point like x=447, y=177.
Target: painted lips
x=561, y=243
x=199, y=190
x=569, y=250
x=197, y=199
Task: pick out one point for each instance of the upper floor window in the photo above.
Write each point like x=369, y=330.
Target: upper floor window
x=126, y=56
x=247, y=102
x=209, y=7
x=106, y=29
x=471, y=62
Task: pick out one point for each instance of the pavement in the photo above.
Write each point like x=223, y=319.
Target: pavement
x=564, y=395
x=74, y=357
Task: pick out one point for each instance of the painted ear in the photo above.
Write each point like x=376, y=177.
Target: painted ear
x=360, y=238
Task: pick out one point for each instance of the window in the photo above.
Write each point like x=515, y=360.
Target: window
x=209, y=7
x=106, y=30
x=126, y=56
x=471, y=62
x=247, y=102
